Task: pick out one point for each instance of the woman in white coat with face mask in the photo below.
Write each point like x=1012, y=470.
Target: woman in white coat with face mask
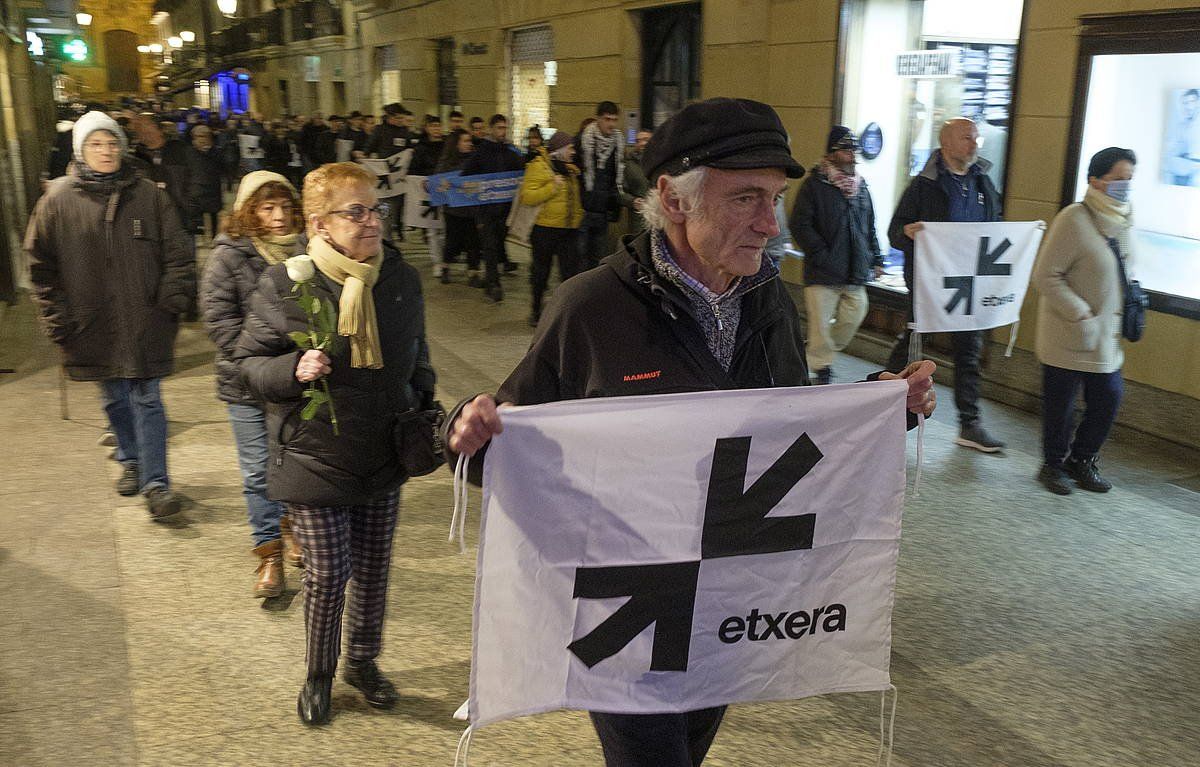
x=1080, y=301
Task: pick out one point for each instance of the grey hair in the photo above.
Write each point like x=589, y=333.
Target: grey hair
x=687, y=187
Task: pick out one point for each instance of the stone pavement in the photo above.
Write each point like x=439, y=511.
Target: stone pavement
x=1029, y=630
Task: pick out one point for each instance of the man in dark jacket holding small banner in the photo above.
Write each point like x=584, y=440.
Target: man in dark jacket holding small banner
x=833, y=221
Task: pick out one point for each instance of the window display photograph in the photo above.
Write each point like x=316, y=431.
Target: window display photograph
x=1181, y=154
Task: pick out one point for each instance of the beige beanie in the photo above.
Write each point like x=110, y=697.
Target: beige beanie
x=252, y=182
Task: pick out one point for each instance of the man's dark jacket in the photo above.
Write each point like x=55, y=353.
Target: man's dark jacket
x=926, y=200
x=623, y=329
x=836, y=234
x=112, y=271
x=492, y=157
x=324, y=148
x=389, y=139
x=426, y=154
x=234, y=268
x=173, y=172
x=309, y=464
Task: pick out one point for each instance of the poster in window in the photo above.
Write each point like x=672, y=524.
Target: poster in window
x=1181, y=145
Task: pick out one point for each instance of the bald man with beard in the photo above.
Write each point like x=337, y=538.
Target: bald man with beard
x=953, y=186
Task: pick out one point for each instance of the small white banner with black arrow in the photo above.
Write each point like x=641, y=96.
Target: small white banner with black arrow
x=972, y=276
x=668, y=553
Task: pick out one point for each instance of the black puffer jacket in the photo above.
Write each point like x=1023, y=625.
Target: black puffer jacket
x=112, y=272
x=836, y=234
x=309, y=464
x=234, y=268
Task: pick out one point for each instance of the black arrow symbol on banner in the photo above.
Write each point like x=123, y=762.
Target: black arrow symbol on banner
x=987, y=266
x=664, y=595
x=735, y=519
x=965, y=289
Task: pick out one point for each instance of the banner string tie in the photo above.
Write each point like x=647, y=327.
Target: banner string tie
x=464, y=747
x=914, y=343
x=920, y=454
x=458, y=520
x=1012, y=338
x=890, y=738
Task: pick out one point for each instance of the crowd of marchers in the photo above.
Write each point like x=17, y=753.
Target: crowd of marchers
x=693, y=290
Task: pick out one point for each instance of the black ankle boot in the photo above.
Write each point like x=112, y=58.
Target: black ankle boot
x=313, y=703
x=1086, y=474
x=375, y=687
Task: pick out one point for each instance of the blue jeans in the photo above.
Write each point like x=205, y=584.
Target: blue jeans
x=135, y=413
x=250, y=433
x=1101, y=396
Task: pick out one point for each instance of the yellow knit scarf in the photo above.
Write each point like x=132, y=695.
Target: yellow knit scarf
x=275, y=248
x=356, y=309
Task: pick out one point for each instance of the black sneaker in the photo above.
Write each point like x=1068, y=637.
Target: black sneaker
x=510, y=266
x=824, y=377
x=162, y=502
x=1086, y=474
x=129, y=484
x=473, y=280
x=444, y=277
x=1054, y=479
x=374, y=686
x=494, y=293
x=975, y=436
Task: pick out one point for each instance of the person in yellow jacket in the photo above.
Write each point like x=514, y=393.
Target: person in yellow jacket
x=552, y=181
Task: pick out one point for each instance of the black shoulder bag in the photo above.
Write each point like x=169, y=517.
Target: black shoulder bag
x=418, y=438
x=1133, y=315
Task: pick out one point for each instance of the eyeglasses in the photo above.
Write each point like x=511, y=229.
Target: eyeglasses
x=102, y=146
x=360, y=213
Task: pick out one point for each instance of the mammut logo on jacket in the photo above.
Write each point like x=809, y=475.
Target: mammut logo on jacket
x=643, y=376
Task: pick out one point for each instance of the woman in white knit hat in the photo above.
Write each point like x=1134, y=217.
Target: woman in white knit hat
x=262, y=230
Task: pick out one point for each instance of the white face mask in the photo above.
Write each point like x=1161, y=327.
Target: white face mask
x=1118, y=190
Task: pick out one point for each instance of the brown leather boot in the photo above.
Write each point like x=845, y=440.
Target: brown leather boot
x=292, y=553
x=270, y=569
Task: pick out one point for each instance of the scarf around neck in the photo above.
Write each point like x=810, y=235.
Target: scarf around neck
x=1114, y=219
x=356, y=308
x=598, y=149
x=848, y=183
x=275, y=248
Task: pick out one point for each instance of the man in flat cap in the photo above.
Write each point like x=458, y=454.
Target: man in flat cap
x=691, y=297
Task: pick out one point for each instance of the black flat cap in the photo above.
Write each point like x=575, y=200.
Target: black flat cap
x=734, y=134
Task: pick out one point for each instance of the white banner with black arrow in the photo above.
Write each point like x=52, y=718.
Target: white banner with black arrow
x=668, y=553
x=972, y=276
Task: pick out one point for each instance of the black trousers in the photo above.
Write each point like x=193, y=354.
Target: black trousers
x=492, y=231
x=657, y=740
x=1101, y=397
x=593, y=239
x=968, y=349
x=545, y=243
x=460, y=236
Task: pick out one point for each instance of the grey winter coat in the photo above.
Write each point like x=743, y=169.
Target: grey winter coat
x=112, y=271
x=231, y=276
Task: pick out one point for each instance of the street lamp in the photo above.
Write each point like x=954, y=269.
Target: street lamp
x=187, y=36
x=156, y=47
x=227, y=7
x=83, y=19
x=143, y=49
x=174, y=42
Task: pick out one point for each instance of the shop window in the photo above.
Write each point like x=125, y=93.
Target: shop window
x=908, y=66
x=530, y=51
x=670, y=61
x=387, y=81
x=447, y=75
x=1138, y=87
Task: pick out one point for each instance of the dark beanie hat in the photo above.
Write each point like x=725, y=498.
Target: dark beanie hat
x=841, y=137
x=735, y=134
x=559, y=140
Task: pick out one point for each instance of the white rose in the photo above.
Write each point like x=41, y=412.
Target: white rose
x=300, y=268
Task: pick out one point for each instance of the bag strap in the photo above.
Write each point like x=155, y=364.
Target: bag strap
x=1115, y=247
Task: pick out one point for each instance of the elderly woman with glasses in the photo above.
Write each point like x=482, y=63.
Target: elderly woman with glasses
x=340, y=481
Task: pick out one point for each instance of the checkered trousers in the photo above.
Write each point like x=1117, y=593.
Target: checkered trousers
x=344, y=543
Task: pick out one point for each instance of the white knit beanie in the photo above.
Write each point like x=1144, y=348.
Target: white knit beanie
x=254, y=181
x=89, y=124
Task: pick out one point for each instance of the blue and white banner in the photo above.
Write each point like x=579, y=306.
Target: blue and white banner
x=457, y=190
x=972, y=276
x=673, y=552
